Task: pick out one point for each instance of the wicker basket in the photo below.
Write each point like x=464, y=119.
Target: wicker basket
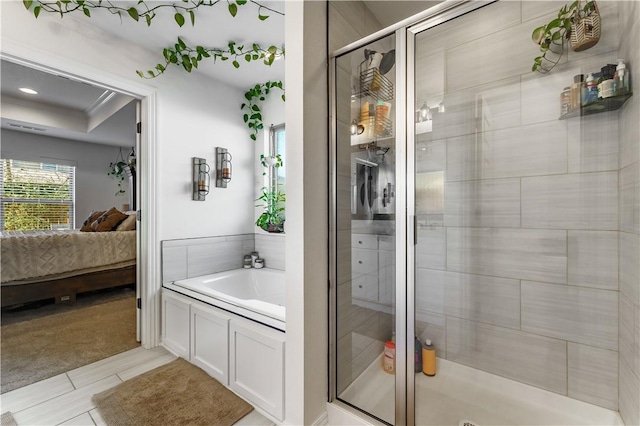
x=585, y=33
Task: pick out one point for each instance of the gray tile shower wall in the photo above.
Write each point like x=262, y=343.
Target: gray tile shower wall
x=192, y=257
x=629, y=222
x=533, y=271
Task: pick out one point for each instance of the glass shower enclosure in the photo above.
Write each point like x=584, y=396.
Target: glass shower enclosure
x=475, y=217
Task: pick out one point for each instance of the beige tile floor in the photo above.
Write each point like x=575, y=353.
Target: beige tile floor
x=66, y=399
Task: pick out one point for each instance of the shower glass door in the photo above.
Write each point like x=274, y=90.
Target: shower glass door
x=365, y=226
x=518, y=241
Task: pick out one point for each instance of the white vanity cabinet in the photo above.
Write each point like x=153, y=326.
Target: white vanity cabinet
x=210, y=341
x=244, y=355
x=175, y=323
x=373, y=268
x=257, y=366
x=364, y=267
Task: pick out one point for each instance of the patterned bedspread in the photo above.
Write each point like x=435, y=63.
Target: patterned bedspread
x=28, y=255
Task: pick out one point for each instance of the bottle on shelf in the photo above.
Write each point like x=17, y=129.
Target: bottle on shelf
x=428, y=358
x=605, y=87
x=576, y=91
x=591, y=92
x=389, y=357
x=621, y=79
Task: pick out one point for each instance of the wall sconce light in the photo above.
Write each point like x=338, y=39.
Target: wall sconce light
x=223, y=167
x=201, y=178
x=441, y=107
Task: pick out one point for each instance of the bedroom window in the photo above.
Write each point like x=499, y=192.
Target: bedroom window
x=36, y=195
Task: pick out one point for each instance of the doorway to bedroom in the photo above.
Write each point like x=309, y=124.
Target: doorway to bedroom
x=70, y=159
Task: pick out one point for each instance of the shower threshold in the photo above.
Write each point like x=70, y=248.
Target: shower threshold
x=460, y=393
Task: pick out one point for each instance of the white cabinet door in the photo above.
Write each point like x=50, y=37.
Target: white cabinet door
x=210, y=341
x=257, y=365
x=175, y=323
x=365, y=287
x=364, y=261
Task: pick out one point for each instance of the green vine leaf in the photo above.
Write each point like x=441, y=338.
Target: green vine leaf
x=252, y=114
x=133, y=12
x=179, y=19
x=143, y=8
x=181, y=53
x=233, y=9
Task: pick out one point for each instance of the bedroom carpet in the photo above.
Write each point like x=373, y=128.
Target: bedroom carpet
x=177, y=393
x=36, y=349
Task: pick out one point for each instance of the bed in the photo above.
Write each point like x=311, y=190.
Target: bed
x=37, y=265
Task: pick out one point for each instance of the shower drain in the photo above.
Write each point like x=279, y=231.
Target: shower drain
x=467, y=423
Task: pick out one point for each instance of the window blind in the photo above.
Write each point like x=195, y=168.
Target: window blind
x=36, y=195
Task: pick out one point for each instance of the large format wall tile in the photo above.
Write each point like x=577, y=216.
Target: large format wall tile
x=430, y=290
x=214, y=257
x=498, y=104
x=630, y=266
x=630, y=198
x=174, y=263
x=529, y=358
x=576, y=314
x=493, y=18
x=540, y=96
x=539, y=149
x=593, y=143
x=593, y=375
x=511, y=253
x=485, y=59
x=487, y=203
x=593, y=259
x=271, y=248
x=629, y=395
x=629, y=334
x=574, y=201
x=485, y=299
x=431, y=251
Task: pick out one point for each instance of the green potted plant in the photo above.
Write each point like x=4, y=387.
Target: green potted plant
x=272, y=197
x=121, y=168
x=576, y=23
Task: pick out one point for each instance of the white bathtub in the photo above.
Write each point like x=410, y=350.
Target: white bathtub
x=258, y=294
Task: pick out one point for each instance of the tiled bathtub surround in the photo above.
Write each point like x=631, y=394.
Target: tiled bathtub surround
x=192, y=257
x=271, y=248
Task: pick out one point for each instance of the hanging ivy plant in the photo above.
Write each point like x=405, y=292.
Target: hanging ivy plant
x=180, y=54
x=189, y=57
x=142, y=10
x=253, y=114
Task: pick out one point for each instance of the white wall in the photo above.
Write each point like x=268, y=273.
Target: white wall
x=94, y=189
x=307, y=211
x=194, y=115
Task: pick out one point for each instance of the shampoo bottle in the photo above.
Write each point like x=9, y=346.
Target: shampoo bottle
x=621, y=78
x=428, y=358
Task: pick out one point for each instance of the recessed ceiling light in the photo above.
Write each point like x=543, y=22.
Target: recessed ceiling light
x=29, y=91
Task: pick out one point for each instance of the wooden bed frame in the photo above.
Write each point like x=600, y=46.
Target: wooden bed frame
x=64, y=290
